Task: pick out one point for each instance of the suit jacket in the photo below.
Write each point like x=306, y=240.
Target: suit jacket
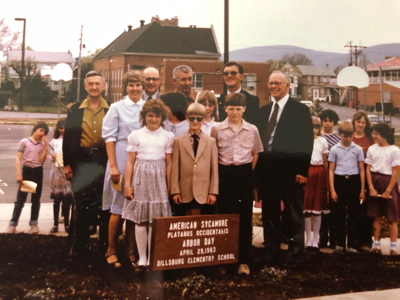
x=72, y=135
x=251, y=114
x=293, y=141
x=194, y=177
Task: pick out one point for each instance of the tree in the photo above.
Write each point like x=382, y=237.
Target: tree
x=296, y=59
x=339, y=68
x=8, y=39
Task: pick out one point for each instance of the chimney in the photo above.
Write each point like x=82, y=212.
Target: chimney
x=388, y=57
x=129, y=27
x=141, y=23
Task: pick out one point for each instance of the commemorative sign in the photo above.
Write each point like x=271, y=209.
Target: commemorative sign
x=194, y=241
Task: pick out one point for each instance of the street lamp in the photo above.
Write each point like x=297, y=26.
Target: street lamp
x=22, y=60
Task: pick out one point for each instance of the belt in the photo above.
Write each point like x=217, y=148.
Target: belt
x=89, y=151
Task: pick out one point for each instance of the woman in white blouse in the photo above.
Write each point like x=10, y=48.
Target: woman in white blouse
x=122, y=118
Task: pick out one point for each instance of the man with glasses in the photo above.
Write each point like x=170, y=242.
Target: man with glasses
x=85, y=160
x=286, y=131
x=151, y=84
x=183, y=80
x=233, y=76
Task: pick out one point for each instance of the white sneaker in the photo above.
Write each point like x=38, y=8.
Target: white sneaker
x=244, y=269
x=34, y=229
x=11, y=229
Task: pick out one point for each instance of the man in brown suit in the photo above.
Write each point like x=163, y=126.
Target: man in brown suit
x=194, y=179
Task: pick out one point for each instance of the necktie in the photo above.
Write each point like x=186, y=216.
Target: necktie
x=271, y=125
x=195, y=143
x=149, y=98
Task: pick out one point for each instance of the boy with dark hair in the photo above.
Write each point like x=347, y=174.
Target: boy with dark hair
x=346, y=182
x=329, y=118
x=238, y=145
x=194, y=177
x=31, y=155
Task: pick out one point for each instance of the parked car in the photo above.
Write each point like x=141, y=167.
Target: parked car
x=376, y=119
x=308, y=103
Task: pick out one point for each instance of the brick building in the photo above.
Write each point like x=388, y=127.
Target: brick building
x=390, y=69
x=165, y=45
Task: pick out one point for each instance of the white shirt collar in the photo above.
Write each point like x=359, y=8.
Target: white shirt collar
x=237, y=91
x=145, y=96
x=130, y=102
x=281, y=102
x=147, y=130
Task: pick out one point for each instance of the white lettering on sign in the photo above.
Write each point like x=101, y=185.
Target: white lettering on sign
x=191, y=243
x=182, y=225
x=214, y=223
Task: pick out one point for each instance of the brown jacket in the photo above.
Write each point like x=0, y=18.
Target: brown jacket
x=194, y=177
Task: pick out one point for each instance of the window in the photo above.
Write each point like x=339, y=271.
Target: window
x=197, y=81
x=315, y=79
x=322, y=93
x=308, y=92
x=308, y=79
x=249, y=83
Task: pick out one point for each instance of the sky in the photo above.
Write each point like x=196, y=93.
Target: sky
x=325, y=25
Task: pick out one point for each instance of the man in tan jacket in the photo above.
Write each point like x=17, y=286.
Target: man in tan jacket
x=194, y=179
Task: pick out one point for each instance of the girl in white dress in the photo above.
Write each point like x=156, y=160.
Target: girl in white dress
x=209, y=101
x=60, y=186
x=147, y=176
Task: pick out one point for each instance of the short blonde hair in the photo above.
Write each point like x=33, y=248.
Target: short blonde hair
x=210, y=97
x=346, y=128
x=196, y=109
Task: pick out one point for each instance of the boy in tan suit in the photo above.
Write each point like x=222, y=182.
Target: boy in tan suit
x=194, y=178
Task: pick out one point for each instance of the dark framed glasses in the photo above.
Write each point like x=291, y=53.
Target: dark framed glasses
x=198, y=119
x=151, y=78
x=233, y=73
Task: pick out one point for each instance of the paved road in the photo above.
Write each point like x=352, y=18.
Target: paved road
x=10, y=135
x=27, y=116
x=346, y=113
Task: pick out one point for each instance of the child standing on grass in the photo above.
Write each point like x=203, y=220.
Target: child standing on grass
x=346, y=182
x=194, y=183
x=383, y=167
x=32, y=153
x=209, y=101
x=60, y=186
x=148, y=176
x=315, y=191
x=239, y=145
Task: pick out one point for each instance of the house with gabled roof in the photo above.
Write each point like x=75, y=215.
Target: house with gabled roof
x=38, y=59
x=149, y=45
x=317, y=83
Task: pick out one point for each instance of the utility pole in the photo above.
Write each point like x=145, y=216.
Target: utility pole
x=78, y=90
x=351, y=53
x=226, y=37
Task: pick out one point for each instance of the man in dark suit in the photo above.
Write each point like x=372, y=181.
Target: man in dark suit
x=85, y=160
x=233, y=76
x=287, y=134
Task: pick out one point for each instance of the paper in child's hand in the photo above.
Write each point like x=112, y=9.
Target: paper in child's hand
x=28, y=186
x=117, y=186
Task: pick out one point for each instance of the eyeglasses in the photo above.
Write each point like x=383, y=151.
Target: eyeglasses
x=151, y=78
x=274, y=83
x=198, y=119
x=233, y=73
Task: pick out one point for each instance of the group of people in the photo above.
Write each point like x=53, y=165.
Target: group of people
x=158, y=155
x=357, y=167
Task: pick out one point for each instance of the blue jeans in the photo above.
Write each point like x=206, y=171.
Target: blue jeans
x=35, y=175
